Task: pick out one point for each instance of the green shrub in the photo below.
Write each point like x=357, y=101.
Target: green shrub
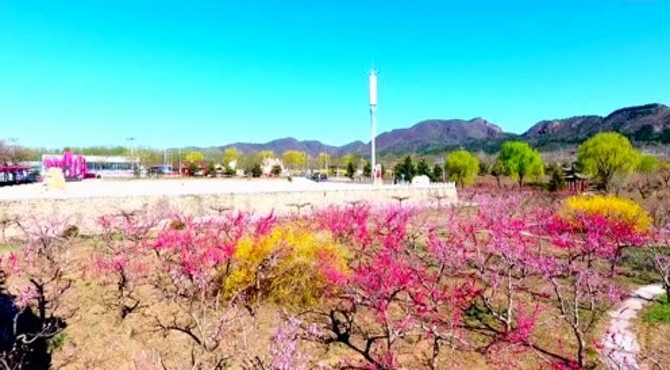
x=659, y=312
x=72, y=231
x=639, y=267
x=287, y=266
x=556, y=178
x=229, y=172
x=56, y=342
x=256, y=170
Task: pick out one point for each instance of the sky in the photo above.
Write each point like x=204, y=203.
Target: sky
x=205, y=73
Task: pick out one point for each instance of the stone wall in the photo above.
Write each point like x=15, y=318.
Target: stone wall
x=84, y=212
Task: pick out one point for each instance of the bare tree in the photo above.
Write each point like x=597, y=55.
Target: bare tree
x=660, y=257
x=36, y=309
x=11, y=152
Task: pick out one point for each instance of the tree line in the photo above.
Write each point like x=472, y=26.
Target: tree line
x=606, y=157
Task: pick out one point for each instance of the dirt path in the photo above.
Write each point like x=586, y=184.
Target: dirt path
x=621, y=346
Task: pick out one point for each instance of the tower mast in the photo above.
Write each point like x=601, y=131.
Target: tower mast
x=373, y=122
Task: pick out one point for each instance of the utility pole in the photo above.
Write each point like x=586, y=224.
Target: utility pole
x=306, y=160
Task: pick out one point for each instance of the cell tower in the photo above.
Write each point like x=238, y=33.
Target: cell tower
x=373, y=123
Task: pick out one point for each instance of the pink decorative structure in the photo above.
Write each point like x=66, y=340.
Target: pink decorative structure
x=72, y=165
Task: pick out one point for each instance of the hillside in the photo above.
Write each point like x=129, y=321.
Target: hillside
x=431, y=134
x=643, y=124
x=312, y=147
x=424, y=136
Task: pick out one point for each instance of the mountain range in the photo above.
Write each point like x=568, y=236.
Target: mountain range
x=643, y=124
x=646, y=123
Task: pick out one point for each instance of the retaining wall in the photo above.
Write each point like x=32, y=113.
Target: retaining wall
x=84, y=211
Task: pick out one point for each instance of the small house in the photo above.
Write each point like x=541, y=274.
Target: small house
x=575, y=181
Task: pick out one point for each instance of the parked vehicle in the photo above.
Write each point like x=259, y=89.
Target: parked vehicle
x=318, y=177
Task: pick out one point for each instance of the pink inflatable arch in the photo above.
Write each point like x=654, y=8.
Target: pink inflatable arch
x=72, y=165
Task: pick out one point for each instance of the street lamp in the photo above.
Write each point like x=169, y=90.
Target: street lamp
x=13, y=142
x=132, y=152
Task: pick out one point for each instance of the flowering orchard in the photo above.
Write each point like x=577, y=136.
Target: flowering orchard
x=507, y=281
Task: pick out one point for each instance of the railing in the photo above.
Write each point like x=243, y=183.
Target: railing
x=364, y=180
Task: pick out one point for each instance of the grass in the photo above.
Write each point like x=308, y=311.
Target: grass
x=6, y=248
x=638, y=267
x=653, y=331
x=659, y=312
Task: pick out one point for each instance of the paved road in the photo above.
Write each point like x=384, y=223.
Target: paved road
x=124, y=188
x=182, y=186
x=621, y=346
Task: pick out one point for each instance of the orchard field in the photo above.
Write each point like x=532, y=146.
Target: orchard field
x=506, y=279
x=511, y=277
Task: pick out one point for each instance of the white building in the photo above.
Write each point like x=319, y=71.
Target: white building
x=104, y=166
x=268, y=163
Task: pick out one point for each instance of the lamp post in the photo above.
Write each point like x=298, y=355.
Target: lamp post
x=13, y=143
x=444, y=172
x=132, y=152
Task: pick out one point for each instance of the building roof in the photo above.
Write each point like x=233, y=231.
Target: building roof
x=14, y=168
x=570, y=173
x=576, y=176
x=99, y=158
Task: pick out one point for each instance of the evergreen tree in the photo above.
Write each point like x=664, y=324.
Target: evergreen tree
x=556, y=177
x=367, y=169
x=405, y=170
x=437, y=173
x=256, y=170
x=423, y=169
x=351, y=170
x=192, y=169
x=211, y=169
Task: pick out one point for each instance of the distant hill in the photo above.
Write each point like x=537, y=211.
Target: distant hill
x=423, y=136
x=354, y=147
x=312, y=147
x=431, y=134
x=643, y=124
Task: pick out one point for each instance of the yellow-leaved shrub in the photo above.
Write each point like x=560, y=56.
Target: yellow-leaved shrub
x=288, y=265
x=610, y=207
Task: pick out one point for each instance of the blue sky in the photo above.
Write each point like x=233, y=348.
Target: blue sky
x=173, y=73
